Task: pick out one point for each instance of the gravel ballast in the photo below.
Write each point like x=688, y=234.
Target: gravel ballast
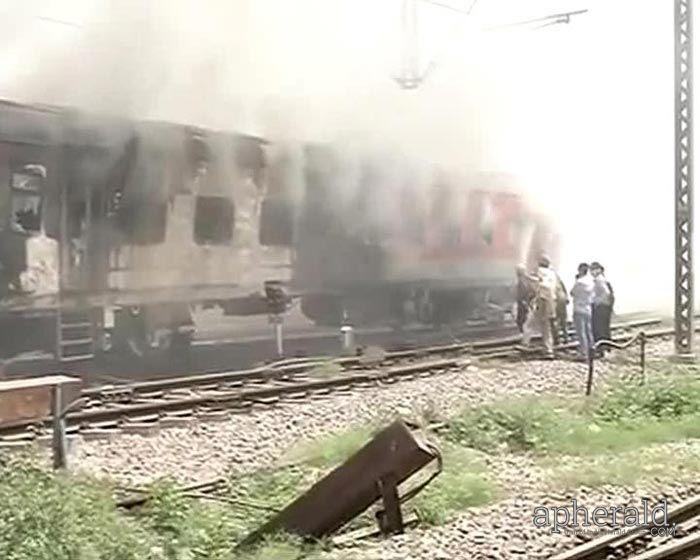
x=259, y=438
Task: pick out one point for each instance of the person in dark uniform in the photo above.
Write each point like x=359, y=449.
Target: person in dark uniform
x=524, y=294
x=603, y=301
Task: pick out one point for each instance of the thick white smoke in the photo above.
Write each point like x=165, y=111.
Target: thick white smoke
x=583, y=113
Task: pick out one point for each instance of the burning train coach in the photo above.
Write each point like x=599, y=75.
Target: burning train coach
x=385, y=241
x=111, y=231
x=111, y=226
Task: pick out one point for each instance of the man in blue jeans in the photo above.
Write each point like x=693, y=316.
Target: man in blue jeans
x=582, y=294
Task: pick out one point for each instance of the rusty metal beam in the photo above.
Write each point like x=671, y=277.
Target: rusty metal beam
x=30, y=400
x=371, y=474
x=390, y=520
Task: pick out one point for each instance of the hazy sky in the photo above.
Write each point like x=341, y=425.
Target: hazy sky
x=584, y=112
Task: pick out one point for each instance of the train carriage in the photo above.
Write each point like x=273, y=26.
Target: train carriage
x=119, y=227
x=111, y=231
x=405, y=246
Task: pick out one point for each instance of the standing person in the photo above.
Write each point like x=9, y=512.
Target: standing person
x=544, y=307
x=523, y=296
x=560, y=327
x=582, y=294
x=602, y=304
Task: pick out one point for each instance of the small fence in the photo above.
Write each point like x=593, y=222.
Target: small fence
x=640, y=337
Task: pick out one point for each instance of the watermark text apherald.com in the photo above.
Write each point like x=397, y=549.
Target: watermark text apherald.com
x=575, y=517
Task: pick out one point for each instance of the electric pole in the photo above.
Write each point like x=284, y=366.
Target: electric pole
x=684, y=301
x=410, y=77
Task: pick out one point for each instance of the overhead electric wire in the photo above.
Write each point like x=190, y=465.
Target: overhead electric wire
x=564, y=17
x=59, y=21
x=546, y=21
x=466, y=12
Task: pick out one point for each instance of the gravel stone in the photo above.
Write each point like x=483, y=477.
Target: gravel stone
x=201, y=451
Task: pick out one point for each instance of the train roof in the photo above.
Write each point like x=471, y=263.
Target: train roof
x=326, y=154
x=51, y=125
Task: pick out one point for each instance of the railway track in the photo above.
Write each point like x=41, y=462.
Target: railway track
x=288, y=369
x=146, y=406
x=684, y=544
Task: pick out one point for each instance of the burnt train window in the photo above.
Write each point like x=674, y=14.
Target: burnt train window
x=276, y=223
x=486, y=225
x=144, y=223
x=213, y=220
x=29, y=179
x=26, y=193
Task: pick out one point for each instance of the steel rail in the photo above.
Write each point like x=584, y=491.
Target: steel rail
x=686, y=548
x=234, y=398
x=160, y=406
x=607, y=546
x=283, y=369
x=280, y=369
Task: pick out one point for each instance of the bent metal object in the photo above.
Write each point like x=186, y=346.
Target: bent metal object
x=373, y=473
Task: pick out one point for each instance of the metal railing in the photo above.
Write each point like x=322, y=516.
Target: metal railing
x=640, y=337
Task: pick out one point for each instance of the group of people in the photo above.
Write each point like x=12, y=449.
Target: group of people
x=542, y=306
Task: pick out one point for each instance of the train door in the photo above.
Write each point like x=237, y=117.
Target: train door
x=75, y=217
x=82, y=218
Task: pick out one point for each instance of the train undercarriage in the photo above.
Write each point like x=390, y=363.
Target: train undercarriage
x=159, y=331
x=137, y=329
x=408, y=304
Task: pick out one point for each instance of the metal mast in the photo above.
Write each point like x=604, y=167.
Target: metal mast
x=412, y=76
x=684, y=304
x=409, y=78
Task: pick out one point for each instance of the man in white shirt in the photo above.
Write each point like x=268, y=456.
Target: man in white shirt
x=582, y=294
x=544, y=312
x=602, y=304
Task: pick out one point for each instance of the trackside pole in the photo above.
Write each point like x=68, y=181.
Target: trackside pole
x=684, y=296
x=60, y=452
x=279, y=335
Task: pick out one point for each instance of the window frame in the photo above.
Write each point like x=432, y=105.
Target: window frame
x=197, y=238
x=18, y=192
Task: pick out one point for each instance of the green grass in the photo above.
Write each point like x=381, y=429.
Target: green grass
x=280, y=549
x=609, y=439
x=626, y=417
x=626, y=469
x=509, y=426
x=330, y=450
x=47, y=516
x=583, y=436
x=463, y=483
x=609, y=431
x=661, y=398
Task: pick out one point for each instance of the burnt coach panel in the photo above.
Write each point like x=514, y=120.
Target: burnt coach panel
x=376, y=236
x=101, y=214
